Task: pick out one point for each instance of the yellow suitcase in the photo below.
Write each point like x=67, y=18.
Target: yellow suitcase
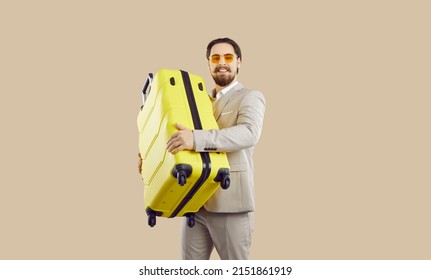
x=180, y=184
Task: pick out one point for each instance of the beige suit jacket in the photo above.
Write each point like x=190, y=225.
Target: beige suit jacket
x=239, y=114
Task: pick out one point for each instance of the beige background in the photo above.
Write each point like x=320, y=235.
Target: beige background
x=343, y=165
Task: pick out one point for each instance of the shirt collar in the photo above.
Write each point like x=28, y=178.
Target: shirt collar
x=225, y=90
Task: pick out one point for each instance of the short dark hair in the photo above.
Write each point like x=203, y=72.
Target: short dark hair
x=224, y=40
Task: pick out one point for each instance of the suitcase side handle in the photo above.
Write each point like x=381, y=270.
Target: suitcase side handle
x=147, y=84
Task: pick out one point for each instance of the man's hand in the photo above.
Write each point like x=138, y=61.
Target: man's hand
x=139, y=163
x=181, y=140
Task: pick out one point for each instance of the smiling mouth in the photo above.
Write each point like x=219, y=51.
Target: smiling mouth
x=222, y=70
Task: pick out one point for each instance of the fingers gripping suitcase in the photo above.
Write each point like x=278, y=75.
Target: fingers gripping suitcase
x=177, y=185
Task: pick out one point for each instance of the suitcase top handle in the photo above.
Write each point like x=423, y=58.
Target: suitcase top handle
x=147, y=84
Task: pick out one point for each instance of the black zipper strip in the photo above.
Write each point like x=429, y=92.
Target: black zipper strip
x=206, y=162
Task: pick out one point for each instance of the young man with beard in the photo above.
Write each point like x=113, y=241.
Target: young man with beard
x=226, y=220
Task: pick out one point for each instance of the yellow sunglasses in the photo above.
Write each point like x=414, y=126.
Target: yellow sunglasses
x=228, y=58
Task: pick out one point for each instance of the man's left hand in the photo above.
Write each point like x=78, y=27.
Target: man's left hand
x=181, y=140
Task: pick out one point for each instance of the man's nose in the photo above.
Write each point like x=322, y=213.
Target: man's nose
x=222, y=61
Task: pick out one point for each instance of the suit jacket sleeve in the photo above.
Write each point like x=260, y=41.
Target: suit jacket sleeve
x=241, y=130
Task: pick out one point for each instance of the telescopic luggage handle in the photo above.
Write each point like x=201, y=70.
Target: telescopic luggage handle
x=147, y=84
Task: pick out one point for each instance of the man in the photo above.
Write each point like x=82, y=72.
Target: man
x=226, y=220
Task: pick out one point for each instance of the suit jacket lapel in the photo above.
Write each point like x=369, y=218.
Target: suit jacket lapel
x=220, y=103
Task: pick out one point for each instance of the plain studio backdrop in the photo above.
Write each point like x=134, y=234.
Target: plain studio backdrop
x=342, y=168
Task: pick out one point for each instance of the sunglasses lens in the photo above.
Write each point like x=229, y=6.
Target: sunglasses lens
x=228, y=58
x=215, y=58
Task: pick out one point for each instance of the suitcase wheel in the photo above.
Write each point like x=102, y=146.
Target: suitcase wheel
x=152, y=220
x=223, y=177
x=225, y=182
x=181, y=172
x=181, y=178
x=191, y=220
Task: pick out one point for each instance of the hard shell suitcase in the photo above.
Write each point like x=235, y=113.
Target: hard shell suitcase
x=180, y=184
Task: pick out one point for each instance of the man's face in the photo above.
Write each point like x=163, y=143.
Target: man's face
x=222, y=70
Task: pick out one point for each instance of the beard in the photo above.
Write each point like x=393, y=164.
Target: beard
x=223, y=80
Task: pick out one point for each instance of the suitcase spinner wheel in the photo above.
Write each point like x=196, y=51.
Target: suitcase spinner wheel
x=182, y=172
x=223, y=177
x=152, y=216
x=191, y=220
x=225, y=182
x=152, y=220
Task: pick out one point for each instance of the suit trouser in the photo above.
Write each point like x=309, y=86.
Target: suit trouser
x=229, y=233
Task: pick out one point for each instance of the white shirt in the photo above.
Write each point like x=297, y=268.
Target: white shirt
x=225, y=90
